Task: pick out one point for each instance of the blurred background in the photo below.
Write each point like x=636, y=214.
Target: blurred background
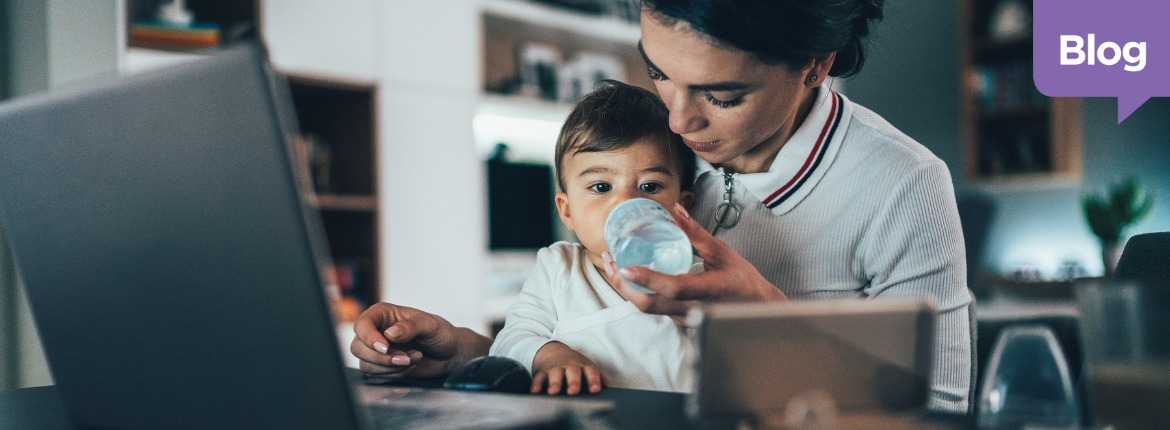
x=427, y=133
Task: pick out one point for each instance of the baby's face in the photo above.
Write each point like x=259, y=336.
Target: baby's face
x=595, y=182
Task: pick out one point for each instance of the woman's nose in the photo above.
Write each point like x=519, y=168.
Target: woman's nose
x=685, y=116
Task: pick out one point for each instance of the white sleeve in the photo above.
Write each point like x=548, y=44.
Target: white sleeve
x=917, y=251
x=531, y=320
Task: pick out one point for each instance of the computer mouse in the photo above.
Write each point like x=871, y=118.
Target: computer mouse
x=490, y=374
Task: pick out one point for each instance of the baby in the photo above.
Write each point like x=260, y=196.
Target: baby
x=570, y=327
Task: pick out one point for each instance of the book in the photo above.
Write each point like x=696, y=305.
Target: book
x=161, y=35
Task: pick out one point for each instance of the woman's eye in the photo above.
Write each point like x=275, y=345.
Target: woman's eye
x=724, y=104
x=600, y=187
x=651, y=187
x=655, y=75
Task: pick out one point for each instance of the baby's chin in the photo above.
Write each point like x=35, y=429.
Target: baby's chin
x=595, y=257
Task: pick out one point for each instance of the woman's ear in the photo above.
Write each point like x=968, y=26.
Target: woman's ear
x=817, y=74
x=686, y=198
x=562, y=202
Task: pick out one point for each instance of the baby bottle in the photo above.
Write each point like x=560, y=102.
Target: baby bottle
x=639, y=232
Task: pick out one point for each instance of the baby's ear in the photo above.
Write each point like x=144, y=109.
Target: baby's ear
x=562, y=203
x=686, y=198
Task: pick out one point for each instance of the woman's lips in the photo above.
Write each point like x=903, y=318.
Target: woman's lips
x=701, y=146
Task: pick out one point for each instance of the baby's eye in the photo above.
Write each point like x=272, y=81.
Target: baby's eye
x=651, y=187
x=600, y=187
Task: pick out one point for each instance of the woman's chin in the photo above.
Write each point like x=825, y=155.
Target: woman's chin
x=715, y=157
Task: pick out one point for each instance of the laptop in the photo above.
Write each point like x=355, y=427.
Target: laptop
x=173, y=266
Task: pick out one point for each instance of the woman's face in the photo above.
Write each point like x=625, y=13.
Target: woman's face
x=732, y=109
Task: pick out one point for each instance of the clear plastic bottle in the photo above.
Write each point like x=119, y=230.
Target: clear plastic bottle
x=640, y=232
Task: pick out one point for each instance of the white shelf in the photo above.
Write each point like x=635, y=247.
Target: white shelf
x=601, y=27
x=528, y=126
x=137, y=60
x=523, y=107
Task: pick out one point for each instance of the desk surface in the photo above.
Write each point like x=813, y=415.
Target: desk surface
x=1001, y=306
x=40, y=408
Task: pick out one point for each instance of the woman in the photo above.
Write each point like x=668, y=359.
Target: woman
x=800, y=193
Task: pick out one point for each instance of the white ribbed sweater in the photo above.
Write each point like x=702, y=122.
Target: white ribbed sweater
x=858, y=209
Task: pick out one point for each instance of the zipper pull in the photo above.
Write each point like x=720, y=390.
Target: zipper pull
x=727, y=213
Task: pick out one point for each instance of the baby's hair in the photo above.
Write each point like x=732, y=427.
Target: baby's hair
x=616, y=115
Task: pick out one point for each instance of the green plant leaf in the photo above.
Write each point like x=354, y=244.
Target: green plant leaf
x=1127, y=204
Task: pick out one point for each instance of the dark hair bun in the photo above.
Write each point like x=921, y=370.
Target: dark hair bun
x=781, y=31
x=851, y=57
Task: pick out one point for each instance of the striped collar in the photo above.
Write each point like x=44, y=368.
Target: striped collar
x=803, y=160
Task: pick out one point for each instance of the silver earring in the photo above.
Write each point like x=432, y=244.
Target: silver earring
x=813, y=78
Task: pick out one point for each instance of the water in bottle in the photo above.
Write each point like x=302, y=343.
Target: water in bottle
x=639, y=232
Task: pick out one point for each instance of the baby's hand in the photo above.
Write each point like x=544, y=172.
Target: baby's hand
x=557, y=365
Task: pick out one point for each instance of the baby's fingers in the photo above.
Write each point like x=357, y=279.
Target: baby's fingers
x=572, y=380
x=538, y=382
x=595, y=379
x=556, y=378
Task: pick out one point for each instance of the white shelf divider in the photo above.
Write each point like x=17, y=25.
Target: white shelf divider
x=137, y=60
x=528, y=126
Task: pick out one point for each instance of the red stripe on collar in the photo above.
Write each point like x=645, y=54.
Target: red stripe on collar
x=811, y=156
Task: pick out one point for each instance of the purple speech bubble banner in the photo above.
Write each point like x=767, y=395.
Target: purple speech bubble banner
x=1102, y=48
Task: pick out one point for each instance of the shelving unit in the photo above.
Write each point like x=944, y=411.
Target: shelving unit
x=597, y=27
x=508, y=24
x=231, y=21
x=340, y=113
x=1012, y=134
x=340, y=116
x=235, y=17
x=529, y=125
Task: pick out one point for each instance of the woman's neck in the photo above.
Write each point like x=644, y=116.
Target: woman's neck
x=759, y=158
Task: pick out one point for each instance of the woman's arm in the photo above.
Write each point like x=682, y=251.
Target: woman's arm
x=394, y=341
x=726, y=276
x=914, y=248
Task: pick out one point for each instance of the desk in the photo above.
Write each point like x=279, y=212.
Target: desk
x=1004, y=306
x=40, y=408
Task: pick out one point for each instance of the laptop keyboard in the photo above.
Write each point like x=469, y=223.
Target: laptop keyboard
x=427, y=409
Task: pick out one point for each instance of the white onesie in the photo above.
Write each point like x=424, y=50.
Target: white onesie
x=567, y=300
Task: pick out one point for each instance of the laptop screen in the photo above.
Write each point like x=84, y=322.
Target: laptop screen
x=172, y=268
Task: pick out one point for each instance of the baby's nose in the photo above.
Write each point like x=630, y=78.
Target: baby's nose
x=619, y=196
x=624, y=193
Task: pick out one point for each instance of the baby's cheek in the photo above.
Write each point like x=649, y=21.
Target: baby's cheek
x=594, y=239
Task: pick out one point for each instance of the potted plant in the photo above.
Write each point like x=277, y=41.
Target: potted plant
x=1109, y=216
